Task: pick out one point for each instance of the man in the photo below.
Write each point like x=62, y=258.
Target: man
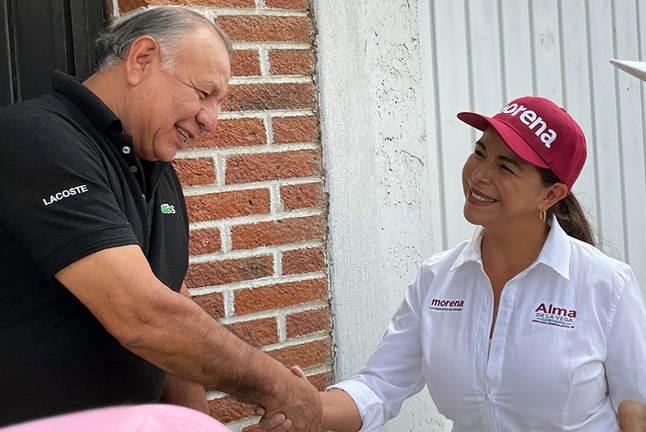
x=94, y=237
x=632, y=413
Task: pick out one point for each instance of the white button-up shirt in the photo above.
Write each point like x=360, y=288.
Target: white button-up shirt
x=569, y=343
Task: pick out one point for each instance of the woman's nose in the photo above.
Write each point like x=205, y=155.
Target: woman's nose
x=481, y=172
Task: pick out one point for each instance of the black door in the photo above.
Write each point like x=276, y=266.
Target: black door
x=38, y=36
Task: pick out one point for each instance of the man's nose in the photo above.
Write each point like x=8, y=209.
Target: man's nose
x=207, y=117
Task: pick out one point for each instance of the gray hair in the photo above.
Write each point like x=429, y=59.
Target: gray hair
x=165, y=24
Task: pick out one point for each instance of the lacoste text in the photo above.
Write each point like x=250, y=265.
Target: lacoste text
x=65, y=194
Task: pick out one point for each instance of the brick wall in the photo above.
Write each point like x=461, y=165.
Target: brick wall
x=254, y=193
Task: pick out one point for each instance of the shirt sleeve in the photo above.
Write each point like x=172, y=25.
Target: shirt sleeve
x=58, y=201
x=626, y=359
x=394, y=371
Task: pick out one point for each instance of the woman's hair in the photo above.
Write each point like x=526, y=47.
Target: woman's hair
x=568, y=212
x=166, y=24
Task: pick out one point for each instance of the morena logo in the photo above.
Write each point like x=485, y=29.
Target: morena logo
x=446, y=305
x=532, y=120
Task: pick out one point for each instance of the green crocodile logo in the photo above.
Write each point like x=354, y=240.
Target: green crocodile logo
x=167, y=209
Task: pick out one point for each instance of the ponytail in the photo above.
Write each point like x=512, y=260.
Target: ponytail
x=569, y=213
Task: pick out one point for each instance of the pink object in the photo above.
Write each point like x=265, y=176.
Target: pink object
x=132, y=418
x=540, y=132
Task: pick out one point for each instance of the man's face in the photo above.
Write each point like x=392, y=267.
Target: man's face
x=179, y=104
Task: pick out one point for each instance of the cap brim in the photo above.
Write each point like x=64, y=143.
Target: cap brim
x=514, y=141
x=635, y=68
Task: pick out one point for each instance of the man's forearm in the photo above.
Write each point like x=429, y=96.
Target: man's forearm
x=182, y=339
x=172, y=332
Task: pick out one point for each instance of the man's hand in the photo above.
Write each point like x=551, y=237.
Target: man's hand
x=298, y=401
x=632, y=416
x=278, y=422
x=178, y=391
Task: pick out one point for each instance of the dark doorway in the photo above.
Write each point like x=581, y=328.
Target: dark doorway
x=38, y=36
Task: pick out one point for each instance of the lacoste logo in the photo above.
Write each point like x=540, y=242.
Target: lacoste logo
x=167, y=208
x=65, y=194
x=556, y=316
x=446, y=305
x=530, y=119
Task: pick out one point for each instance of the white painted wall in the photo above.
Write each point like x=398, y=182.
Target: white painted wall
x=478, y=55
x=391, y=82
x=376, y=164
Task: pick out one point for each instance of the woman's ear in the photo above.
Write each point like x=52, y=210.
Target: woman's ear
x=554, y=194
x=143, y=53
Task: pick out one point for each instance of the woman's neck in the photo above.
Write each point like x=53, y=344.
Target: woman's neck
x=510, y=251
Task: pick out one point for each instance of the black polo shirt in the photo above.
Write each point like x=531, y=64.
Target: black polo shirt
x=71, y=185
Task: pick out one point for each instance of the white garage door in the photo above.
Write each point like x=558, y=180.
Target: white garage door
x=480, y=54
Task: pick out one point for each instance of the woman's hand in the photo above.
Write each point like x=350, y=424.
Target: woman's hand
x=632, y=416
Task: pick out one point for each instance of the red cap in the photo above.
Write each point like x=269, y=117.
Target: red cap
x=539, y=132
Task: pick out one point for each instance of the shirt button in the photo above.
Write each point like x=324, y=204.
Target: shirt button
x=498, y=347
x=508, y=297
x=134, y=169
x=125, y=150
x=143, y=196
x=487, y=397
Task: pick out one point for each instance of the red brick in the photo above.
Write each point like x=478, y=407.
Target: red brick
x=264, y=97
x=301, y=196
x=291, y=62
x=272, y=166
x=322, y=380
x=279, y=296
x=311, y=321
x=277, y=232
x=227, y=409
x=195, y=172
x=266, y=28
x=304, y=355
x=204, y=241
x=213, y=304
x=227, y=271
x=222, y=205
x=288, y=4
x=295, y=129
x=257, y=332
x=245, y=63
x=127, y=5
x=234, y=133
x=301, y=261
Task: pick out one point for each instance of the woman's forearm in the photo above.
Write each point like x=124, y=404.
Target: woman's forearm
x=340, y=413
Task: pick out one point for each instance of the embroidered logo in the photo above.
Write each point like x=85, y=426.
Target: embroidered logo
x=167, y=208
x=65, y=194
x=556, y=316
x=446, y=305
x=530, y=119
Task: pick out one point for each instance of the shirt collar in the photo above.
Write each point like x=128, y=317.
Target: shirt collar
x=554, y=254
x=471, y=251
x=556, y=250
x=85, y=101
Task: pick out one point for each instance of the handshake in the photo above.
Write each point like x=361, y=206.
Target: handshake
x=311, y=410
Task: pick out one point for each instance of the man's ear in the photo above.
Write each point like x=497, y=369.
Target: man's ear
x=554, y=194
x=143, y=53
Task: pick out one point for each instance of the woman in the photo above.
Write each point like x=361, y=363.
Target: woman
x=527, y=326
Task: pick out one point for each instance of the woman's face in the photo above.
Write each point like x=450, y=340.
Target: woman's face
x=501, y=189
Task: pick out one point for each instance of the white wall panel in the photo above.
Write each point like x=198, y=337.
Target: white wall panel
x=487, y=52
